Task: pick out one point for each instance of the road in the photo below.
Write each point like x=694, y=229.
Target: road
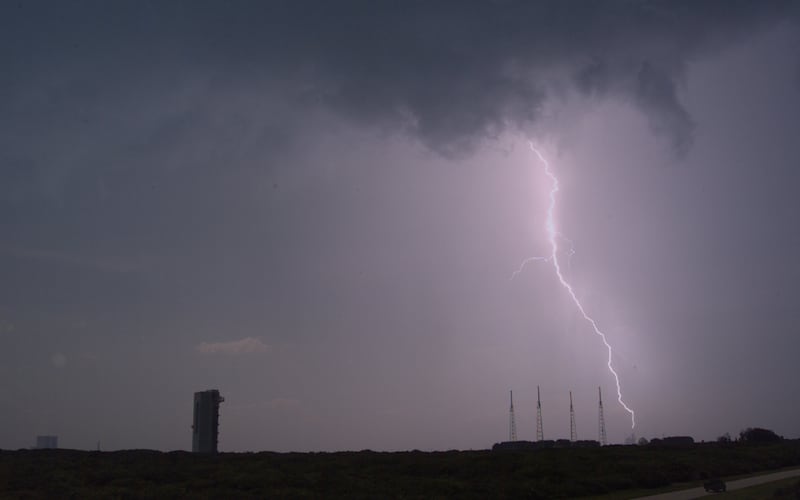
x=732, y=485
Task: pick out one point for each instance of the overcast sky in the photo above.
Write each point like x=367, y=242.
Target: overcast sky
x=317, y=207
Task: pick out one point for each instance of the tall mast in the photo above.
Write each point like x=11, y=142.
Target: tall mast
x=512, y=424
x=601, y=420
x=539, y=430
x=573, y=435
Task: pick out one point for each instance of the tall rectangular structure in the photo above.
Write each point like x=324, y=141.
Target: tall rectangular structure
x=205, y=429
x=46, y=442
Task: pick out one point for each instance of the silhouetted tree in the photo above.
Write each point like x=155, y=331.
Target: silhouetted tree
x=643, y=441
x=725, y=438
x=758, y=435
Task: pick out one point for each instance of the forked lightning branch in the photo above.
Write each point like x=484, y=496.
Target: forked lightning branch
x=552, y=237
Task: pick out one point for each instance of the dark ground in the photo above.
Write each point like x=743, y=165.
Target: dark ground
x=548, y=473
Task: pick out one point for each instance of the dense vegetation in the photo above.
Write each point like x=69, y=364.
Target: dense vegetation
x=546, y=473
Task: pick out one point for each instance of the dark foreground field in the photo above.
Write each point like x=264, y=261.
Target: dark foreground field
x=549, y=473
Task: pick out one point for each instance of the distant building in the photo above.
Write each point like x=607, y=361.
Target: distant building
x=46, y=442
x=515, y=446
x=544, y=444
x=677, y=441
x=205, y=428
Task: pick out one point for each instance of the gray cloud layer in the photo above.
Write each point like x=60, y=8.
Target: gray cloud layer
x=448, y=72
x=178, y=178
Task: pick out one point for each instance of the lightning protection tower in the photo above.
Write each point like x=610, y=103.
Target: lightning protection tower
x=573, y=435
x=601, y=422
x=512, y=424
x=539, y=430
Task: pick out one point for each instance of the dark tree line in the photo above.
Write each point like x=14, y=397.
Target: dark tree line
x=759, y=435
x=752, y=435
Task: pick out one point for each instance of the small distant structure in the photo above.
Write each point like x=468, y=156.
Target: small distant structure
x=539, y=429
x=543, y=445
x=601, y=421
x=673, y=441
x=46, y=442
x=586, y=443
x=205, y=429
x=562, y=443
x=512, y=424
x=514, y=446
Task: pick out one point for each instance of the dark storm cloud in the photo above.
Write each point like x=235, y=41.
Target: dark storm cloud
x=448, y=72
x=233, y=194
x=657, y=96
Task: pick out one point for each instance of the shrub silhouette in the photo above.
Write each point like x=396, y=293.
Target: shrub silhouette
x=759, y=435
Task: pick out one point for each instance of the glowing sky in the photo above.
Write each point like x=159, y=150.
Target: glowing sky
x=316, y=207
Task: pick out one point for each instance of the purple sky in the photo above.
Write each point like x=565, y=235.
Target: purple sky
x=316, y=207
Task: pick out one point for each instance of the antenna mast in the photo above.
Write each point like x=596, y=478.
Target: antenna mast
x=573, y=434
x=601, y=419
x=539, y=431
x=512, y=425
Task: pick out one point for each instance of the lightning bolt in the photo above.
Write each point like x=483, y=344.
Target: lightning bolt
x=552, y=236
x=525, y=263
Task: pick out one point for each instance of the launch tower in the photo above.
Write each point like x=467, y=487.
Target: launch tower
x=205, y=429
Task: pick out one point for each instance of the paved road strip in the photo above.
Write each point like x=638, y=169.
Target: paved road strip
x=731, y=485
